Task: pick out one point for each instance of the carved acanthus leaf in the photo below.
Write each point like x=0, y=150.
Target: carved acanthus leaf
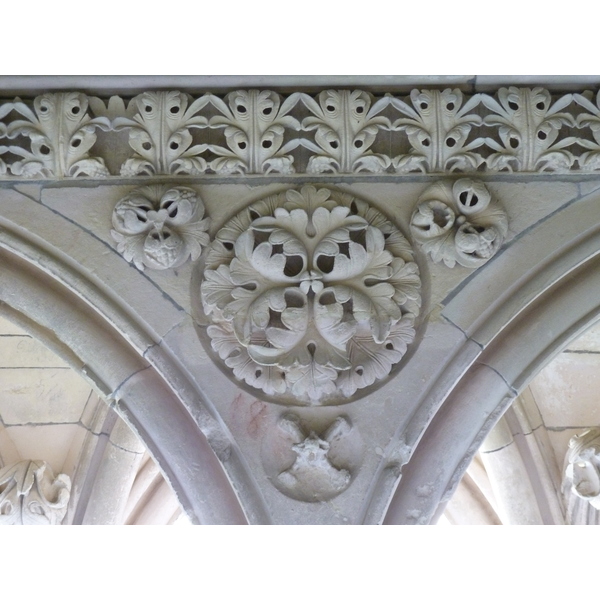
x=437, y=126
x=459, y=222
x=160, y=128
x=254, y=125
x=346, y=127
x=160, y=227
x=291, y=281
x=61, y=133
x=528, y=126
x=31, y=495
x=589, y=161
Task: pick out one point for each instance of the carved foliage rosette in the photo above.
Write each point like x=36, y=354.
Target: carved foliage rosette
x=459, y=222
x=312, y=295
x=160, y=227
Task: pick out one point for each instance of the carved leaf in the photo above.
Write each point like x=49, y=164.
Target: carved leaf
x=160, y=125
x=528, y=127
x=437, y=129
x=346, y=127
x=313, y=380
x=61, y=134
x=372, y=361
x=255, y=124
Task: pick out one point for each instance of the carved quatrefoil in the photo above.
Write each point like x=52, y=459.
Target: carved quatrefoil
x=312, y=295
x=459, y=222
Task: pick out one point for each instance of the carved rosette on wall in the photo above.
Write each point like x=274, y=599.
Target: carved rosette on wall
x=459, y=222
x=160, y=227
x=312, y=295
x=31, y=495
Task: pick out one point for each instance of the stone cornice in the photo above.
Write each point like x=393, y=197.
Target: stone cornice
x=250, y=132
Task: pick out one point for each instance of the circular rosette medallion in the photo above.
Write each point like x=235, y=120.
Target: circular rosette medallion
x=312, y=295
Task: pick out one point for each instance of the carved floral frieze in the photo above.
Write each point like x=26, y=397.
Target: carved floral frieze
x=334, y=131
x=312, y=294
x=31, y=495
x=159, y=226
x=582, y=467
x=459, y=222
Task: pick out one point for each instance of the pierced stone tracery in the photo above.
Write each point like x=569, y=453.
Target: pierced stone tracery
x=337, y=131
x=312, y=293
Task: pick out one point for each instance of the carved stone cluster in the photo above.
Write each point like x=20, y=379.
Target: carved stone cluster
x=312, y=294
x=160, y=227
x=336, y=131
x=582, y=470
x=459, y=222
x=31, y=495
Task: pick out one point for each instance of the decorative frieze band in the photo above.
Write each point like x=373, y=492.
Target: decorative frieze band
x=336, y=131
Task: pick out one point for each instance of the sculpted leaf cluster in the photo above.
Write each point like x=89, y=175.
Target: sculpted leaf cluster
x=459, y=222
x=160, y=226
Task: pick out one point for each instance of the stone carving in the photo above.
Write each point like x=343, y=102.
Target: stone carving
x=312, y=295
x=160, y=226
x=160, y=128
x=336, y=131
x=312, y=477
x=437, y=128
x=582, y=472
x=346, y=126
x=31, y=495
x=459, y=223
x=528, y=126
x=255, y=123
x=61, y=134
x=589, y=161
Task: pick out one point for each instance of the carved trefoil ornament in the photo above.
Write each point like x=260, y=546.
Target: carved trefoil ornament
x=160, y=226
x=31, y=495
x=312, y=294
x=459, y=222
x=582, y=467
